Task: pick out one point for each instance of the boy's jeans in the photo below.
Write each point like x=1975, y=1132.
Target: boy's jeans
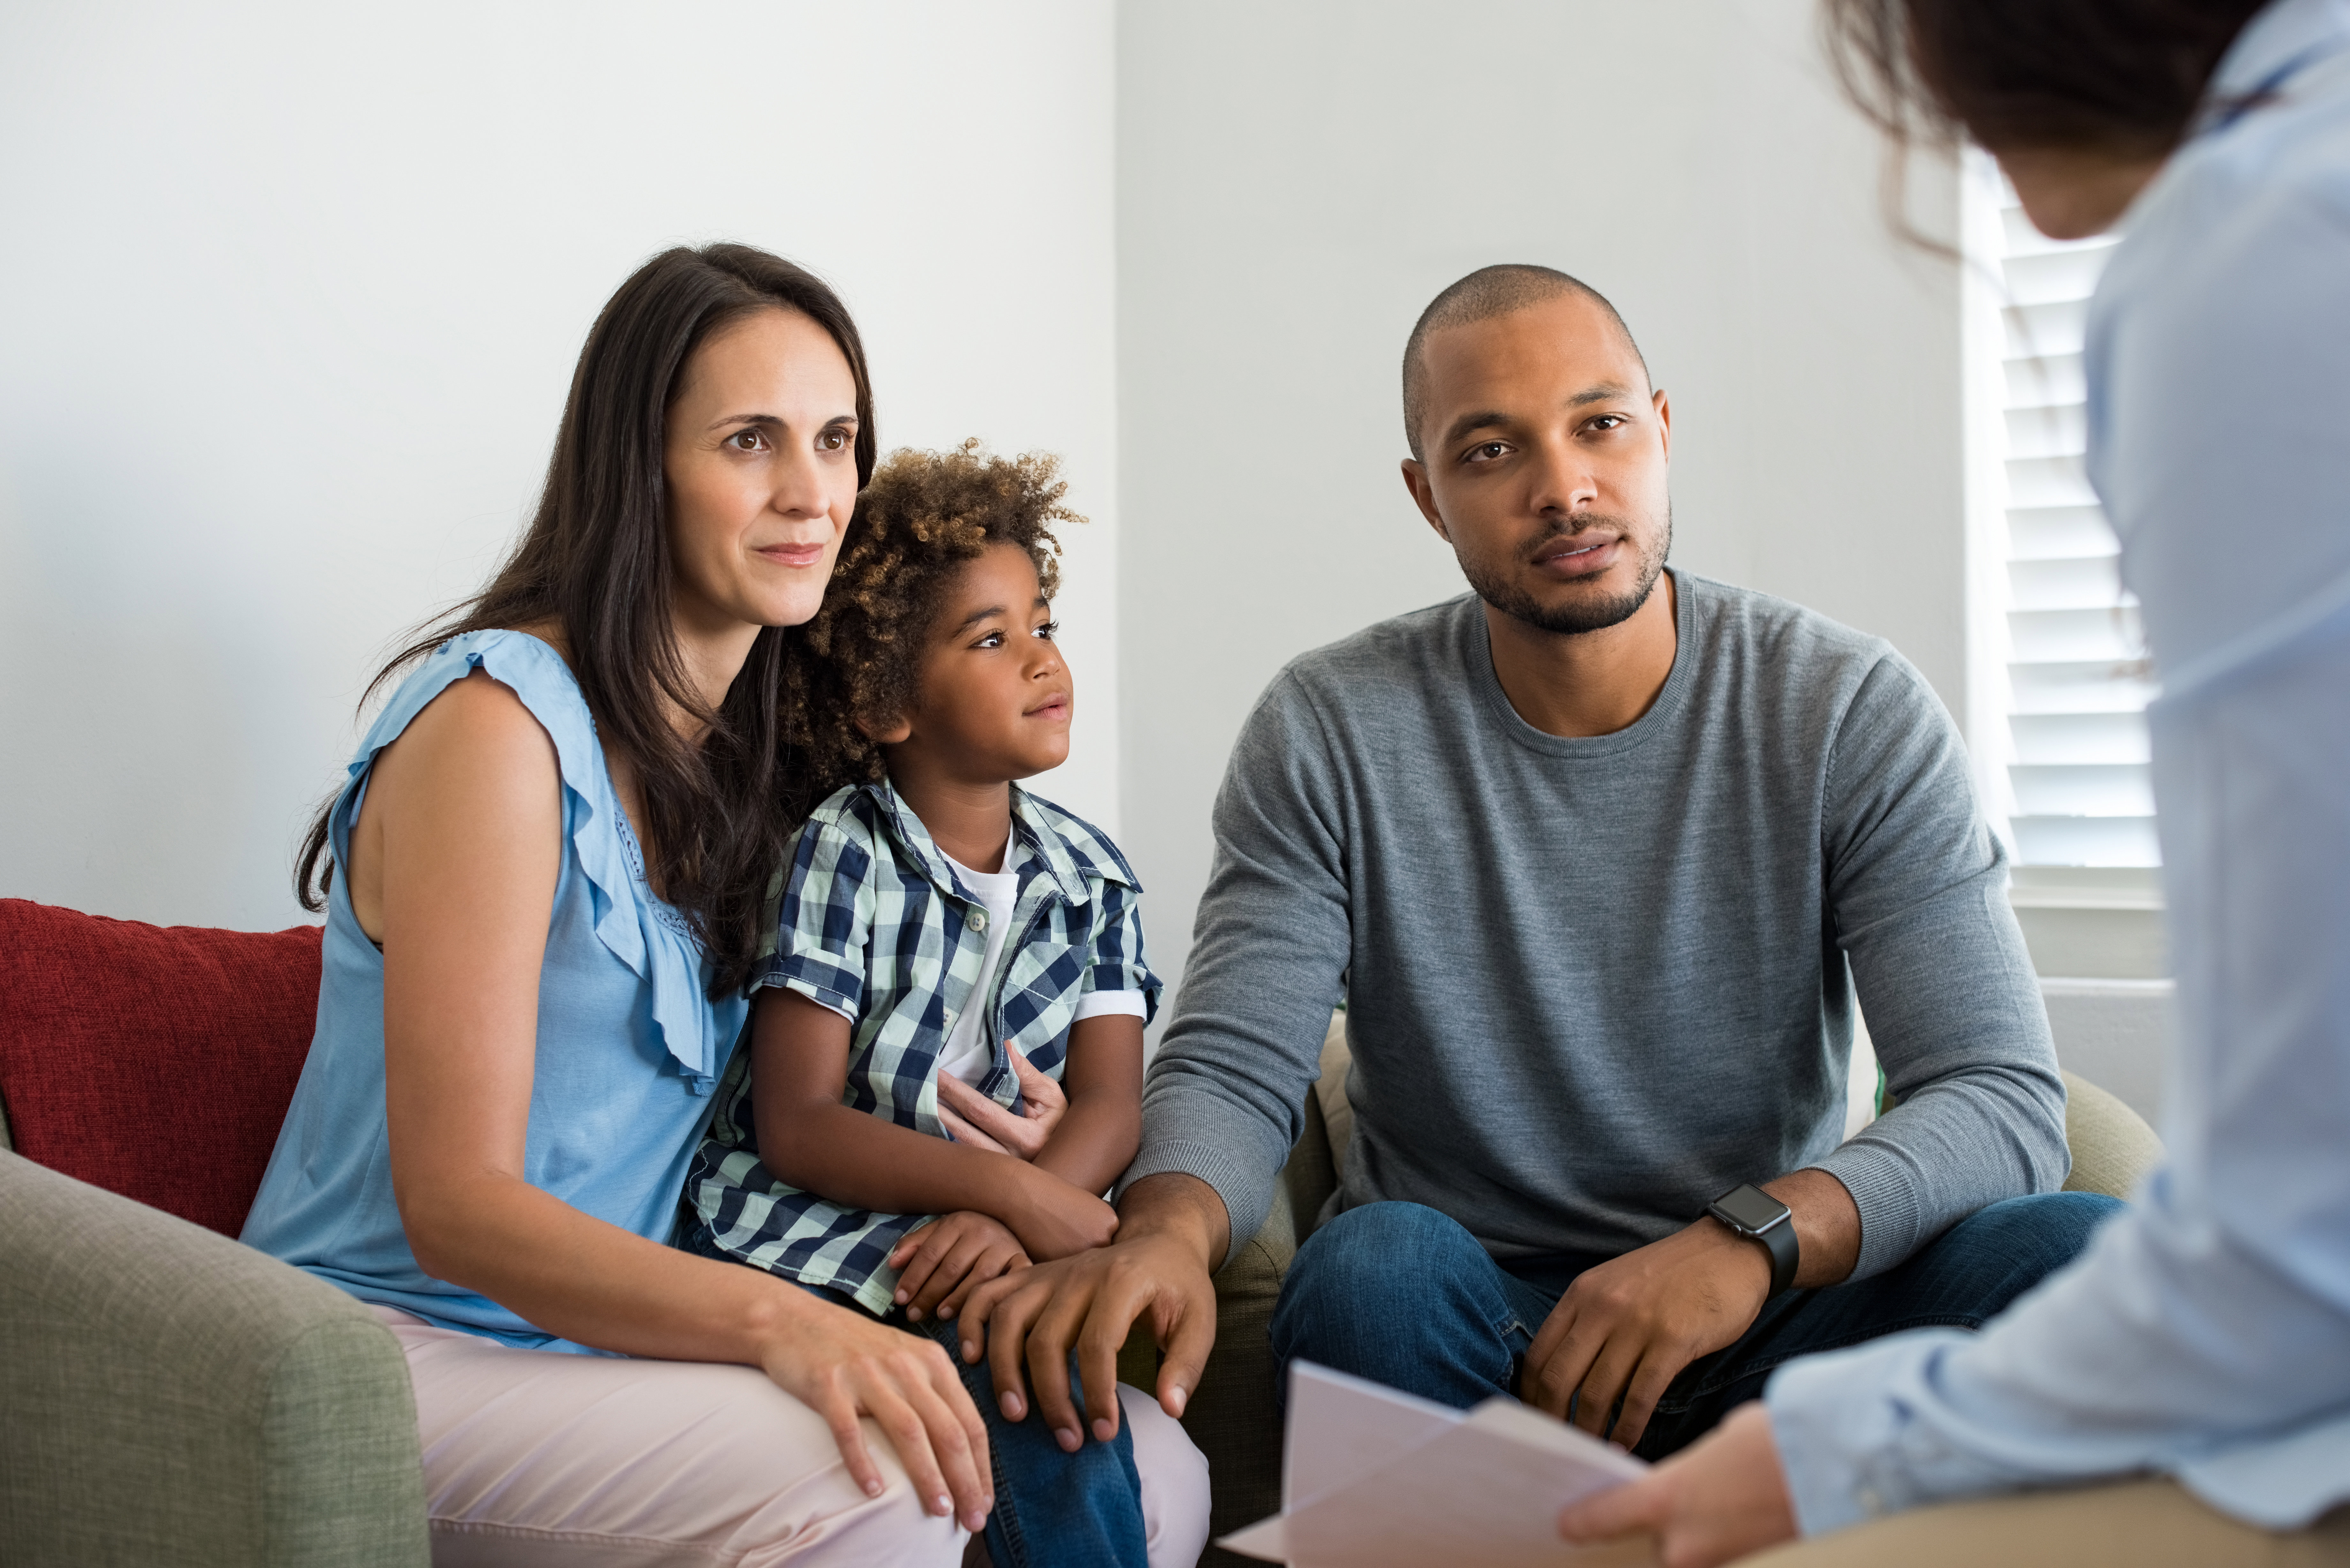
x=1052, y=1509
x=1400, y=1294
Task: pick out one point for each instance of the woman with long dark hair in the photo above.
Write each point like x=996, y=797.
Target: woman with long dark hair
x=2189, y=1379
x=545, y=881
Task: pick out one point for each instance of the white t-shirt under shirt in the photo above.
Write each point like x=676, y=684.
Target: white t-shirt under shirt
x=967, y=1054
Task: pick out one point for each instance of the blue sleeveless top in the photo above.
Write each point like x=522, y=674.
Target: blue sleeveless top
x=629, y=1045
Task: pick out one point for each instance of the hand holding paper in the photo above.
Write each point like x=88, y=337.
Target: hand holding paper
x=1715, y=1502
x=1375, y=1479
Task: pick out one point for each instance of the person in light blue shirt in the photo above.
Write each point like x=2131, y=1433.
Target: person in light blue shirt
x=2190, y=1376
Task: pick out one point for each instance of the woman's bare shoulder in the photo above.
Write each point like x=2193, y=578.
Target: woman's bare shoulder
x=478, y=710
x=478, y=739
x=472, y=774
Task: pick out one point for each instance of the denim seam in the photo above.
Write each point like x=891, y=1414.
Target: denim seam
x=1004, y=1516
x=978, y=1382
x=1510, y=1323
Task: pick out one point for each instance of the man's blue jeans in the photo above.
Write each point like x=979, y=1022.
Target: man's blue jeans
x=1402, y=1294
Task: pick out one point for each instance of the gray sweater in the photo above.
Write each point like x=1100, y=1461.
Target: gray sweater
x=1592, y=984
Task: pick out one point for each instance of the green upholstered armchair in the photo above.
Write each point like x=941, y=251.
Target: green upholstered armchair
x=173, y=1396
x=167, y=1395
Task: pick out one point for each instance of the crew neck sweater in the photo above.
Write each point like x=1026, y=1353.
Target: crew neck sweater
x=1591, y=984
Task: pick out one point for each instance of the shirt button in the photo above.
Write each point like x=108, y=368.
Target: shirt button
x=948, y=1016
x=976, y=920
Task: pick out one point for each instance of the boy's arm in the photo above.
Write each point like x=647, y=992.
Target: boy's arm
x=800, y=1064
x=1097, y=1135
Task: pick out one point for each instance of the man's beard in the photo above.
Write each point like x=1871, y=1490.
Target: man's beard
x=1504, y=592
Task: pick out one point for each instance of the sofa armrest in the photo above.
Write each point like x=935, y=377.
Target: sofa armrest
x=2112, y=1147
x=175, y=1397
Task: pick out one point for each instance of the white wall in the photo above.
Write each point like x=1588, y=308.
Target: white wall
x=1294, y=182
x=292, y=293
x=2121, y=1034
x=295, y=292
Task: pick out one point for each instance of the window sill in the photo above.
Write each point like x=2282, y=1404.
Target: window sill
x=2086, y=888
x=2092, y=922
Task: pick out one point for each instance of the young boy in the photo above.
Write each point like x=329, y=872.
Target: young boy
x=938, y=923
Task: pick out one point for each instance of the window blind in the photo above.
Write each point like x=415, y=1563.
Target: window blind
x=2078, y=681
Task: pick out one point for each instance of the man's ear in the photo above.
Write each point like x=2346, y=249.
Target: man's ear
x=1415, y=479
x=885, y=732
x=1664, y=421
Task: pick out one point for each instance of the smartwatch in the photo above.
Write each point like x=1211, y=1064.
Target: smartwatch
x=1764, y=1220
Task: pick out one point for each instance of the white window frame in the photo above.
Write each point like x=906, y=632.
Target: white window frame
x=2093, y=919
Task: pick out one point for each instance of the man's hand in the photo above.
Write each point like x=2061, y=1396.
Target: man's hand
x=1033, y=1319
x=1714, y=1501
x=979, y=1121
x=1624, y=1330
x=946, y=1259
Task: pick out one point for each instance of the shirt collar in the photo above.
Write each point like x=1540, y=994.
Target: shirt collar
x=1030, y=828
x=1030, y=820
x=2276, y=44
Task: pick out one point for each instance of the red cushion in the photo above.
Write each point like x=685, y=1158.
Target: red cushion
x=156, y=1061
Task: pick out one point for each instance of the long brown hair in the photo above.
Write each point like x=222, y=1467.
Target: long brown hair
x=595, y=561
x=2115, y=76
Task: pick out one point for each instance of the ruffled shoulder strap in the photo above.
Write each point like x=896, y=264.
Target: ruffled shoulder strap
x=637, y=929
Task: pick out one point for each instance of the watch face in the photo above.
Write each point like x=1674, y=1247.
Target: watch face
x=1751, y=1208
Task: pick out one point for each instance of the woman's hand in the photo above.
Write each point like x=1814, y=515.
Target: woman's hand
x=946, y=1259
x=1722, y=1498
x=1054, y=1219
x=843, y=1364
x=976, y=1120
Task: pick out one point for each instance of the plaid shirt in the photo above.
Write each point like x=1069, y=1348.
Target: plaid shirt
x=874, y=924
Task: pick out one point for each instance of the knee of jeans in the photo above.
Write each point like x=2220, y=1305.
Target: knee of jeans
x=2047, y=1229
x=1352, y=1268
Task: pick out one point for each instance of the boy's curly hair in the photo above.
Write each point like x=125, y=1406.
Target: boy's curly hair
x=923, y=515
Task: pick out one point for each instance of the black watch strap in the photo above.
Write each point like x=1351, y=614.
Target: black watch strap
x=1784, y=1255
x=1763, y=1219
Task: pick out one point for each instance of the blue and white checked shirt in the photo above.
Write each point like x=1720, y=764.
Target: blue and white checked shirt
x=876, y=925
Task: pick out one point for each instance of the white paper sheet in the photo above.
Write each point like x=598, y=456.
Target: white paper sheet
x=1379, y=1479
x=1340, y=1427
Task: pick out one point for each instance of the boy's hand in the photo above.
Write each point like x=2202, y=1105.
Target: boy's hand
x=976, y=1120
x=946, y=1259
x=1054, y=1219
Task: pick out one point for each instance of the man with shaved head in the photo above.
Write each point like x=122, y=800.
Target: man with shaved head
x=1483, y=295
x=1597, y=856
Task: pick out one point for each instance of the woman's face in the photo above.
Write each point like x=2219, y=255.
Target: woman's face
x=761, y=460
